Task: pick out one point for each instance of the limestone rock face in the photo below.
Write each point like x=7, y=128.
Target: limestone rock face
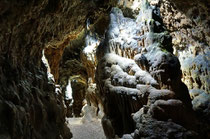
x=88, y=55
x=54, y=55
x=188, y=23
x=29, y=106
x=137, y=71
x=152, y=128
x=130, y=8
x=94, y=108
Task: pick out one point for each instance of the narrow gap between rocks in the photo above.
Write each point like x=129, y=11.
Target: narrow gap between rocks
x=75, y=79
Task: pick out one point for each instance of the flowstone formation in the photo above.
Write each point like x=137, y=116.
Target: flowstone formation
x=189, y=25
x=139, y=80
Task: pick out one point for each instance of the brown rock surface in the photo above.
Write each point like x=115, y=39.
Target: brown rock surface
x=29, y=106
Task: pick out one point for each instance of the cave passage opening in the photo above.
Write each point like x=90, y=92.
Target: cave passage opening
x=71, y=67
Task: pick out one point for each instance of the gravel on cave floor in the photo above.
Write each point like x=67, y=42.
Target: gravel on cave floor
x=87, y=130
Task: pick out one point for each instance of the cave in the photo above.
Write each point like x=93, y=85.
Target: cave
x=104, y=69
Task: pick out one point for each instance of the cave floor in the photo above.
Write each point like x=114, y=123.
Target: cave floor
x=85, y=130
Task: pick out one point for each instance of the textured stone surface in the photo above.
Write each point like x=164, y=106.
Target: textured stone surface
x=29, y=106
x=75, y=61
x=148, y=76
x=79, y=86
x=148, y=127
x=54, y=55
x=72, y=70
x=88, y=55
x=188, y=23
x=137, y=70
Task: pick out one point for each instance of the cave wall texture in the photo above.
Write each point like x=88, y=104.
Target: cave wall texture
x=137, y=70
x=188, y=23
x=29, y=106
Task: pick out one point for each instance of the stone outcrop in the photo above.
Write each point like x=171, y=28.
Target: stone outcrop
x=139, y=80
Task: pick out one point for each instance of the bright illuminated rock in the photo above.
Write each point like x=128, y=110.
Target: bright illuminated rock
x=137, y=70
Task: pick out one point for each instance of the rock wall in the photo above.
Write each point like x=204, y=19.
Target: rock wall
x=139, y=80
x=188, y=23
x=29, y=106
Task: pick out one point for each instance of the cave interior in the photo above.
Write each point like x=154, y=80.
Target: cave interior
x=104, y=69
